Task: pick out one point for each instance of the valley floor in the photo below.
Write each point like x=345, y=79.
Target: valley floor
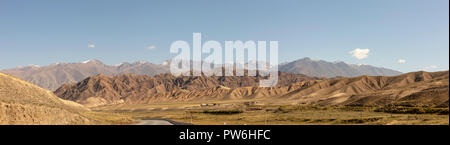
x=246, y=113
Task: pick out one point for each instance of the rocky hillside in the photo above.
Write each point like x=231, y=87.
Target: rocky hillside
x=24, y=103
x=411, y=89
x=130, y=88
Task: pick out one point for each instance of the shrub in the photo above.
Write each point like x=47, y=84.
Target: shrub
x=222, y=112
x=412, y=110
x=361, y=120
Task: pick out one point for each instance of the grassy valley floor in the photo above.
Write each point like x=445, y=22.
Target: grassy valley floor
x=250, y=113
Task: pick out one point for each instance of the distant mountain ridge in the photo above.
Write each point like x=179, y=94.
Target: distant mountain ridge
x=53, y=76
x=321, y=68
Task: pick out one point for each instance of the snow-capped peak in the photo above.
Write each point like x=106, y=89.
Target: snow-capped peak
x=92, y=61
x=27, y=66
x=119, y=64
x=33, y=65
x=140, y=62
x=87, y=61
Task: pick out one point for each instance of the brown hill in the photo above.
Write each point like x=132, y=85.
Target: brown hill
x=24, y=103
x=411, y=89
x=130, y=88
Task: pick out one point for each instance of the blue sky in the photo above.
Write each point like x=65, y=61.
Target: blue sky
x=44, y=32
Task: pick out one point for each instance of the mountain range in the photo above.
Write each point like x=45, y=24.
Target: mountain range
x=53, y=76
x=22, y=102
x=130, y=88
x=321, y=68
x=410, y=89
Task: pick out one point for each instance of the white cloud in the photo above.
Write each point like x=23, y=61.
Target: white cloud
x=91, y=45
x=151, y=47
x=165, y=63
x=401, y=61
x=431, y=67
x=360, y=53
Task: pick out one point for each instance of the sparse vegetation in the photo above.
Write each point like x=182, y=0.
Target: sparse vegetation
x=108, y=118
x=361, y=120
x=222, y=112
x=284, y=114
x=412, y=110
